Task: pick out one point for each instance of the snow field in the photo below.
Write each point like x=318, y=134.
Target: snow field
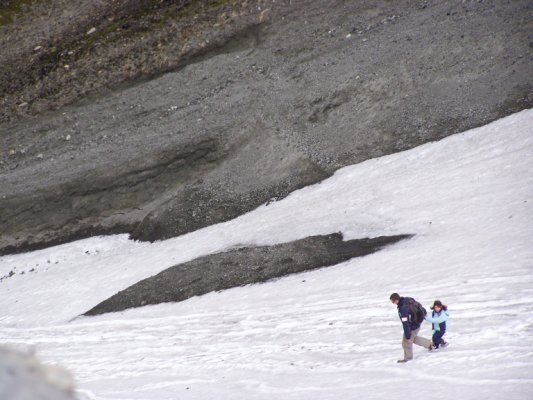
x=325, y=334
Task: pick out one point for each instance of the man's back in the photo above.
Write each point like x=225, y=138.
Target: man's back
x=406, y=314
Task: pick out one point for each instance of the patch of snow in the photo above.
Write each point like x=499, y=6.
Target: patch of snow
x=325, y=334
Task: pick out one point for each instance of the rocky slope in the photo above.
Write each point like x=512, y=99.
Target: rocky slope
x=239, y=267
x=161, y=117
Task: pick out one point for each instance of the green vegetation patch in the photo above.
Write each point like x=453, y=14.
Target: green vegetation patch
x=10, y=10
x=147, y=18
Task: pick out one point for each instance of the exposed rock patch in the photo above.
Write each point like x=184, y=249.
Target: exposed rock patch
x=240, y=267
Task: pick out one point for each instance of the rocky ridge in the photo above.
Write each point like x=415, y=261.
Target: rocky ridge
x=160, y=118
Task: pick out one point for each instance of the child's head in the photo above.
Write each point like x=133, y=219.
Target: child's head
x=438, y=306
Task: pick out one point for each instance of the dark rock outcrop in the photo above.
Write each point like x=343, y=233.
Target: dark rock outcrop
x=240, y=267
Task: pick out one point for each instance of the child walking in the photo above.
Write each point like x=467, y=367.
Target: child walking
x=438, y=318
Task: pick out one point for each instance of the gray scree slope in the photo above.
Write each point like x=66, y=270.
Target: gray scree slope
x=278, y=99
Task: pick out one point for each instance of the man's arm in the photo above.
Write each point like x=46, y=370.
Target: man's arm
x=404, y=317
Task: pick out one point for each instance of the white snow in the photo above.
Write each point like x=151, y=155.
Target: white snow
x=327, y=334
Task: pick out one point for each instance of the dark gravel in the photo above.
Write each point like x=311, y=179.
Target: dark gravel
x=240, y=267
x=176, y=116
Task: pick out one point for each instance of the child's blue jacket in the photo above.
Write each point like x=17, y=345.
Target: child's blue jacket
x=438, y=319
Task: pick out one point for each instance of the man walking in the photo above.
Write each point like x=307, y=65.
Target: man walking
x=410, y=327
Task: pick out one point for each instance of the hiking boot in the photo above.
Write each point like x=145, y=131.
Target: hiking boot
x=444, y=344
x=403, y=360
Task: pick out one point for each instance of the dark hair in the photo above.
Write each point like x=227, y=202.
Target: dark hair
x=438, y=303
x=395, y=296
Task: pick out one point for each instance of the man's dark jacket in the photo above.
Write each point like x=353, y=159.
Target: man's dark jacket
x=407, y=317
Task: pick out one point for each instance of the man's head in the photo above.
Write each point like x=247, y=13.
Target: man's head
x=395, y=298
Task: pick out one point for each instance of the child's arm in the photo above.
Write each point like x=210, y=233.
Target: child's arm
x=438, y=319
